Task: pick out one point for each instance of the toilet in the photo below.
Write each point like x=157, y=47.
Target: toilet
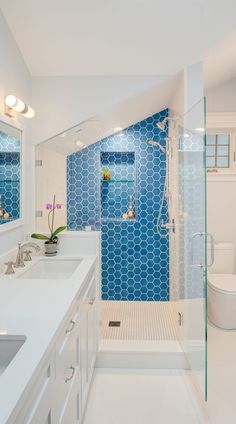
x=222, y=288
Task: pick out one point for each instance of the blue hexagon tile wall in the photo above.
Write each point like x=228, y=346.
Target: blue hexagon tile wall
x=135, y=259
x=10, y=175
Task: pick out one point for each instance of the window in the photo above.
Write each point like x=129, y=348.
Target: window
x=218, y=150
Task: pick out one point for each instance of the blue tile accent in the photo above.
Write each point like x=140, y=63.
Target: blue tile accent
x=135, y=259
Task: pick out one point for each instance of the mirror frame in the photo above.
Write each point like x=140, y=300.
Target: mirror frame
x=20, y=221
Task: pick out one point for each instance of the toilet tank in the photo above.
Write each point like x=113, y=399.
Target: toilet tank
x=224, y=259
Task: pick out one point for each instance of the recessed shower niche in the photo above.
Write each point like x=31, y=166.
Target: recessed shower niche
x=118, y=186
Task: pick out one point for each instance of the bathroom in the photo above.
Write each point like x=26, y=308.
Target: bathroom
x=118, y=249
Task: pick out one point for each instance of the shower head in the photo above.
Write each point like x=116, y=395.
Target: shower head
x=161, y=124
x=157, y=144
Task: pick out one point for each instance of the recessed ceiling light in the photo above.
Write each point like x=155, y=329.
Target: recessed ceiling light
x=62, y=135
x=186, y=135
x=117, y=129
x=79, y=143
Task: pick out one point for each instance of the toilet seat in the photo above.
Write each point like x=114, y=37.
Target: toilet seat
x=223, y=283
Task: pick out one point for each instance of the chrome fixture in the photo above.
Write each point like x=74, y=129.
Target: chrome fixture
x=9, y=269
x=19, y=263
x=169, y=225
x=157, y=144
x=161, y=124
x=12, y=103
x=204, y=236
x=27, y=257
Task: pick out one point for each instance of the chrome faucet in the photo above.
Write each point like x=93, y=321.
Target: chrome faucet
x=19, y=263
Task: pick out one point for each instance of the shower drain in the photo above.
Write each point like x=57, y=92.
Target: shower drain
x=114, y=324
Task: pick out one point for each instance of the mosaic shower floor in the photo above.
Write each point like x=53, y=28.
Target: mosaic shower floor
x=138, y=320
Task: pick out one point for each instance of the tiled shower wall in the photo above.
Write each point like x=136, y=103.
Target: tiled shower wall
x=135, y=259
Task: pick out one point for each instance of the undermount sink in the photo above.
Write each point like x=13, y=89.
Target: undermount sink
x=52, y=269
x=9, y=346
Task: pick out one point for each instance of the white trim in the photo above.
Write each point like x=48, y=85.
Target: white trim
x=219, y=122
x=8, y=226
x=222, y=178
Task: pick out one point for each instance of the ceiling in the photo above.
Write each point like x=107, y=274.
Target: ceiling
x=220, y=64
x=124, y=37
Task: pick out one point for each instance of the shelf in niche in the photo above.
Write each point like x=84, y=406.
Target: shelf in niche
x=9, y=181
x=117, y=181
x=118, y=220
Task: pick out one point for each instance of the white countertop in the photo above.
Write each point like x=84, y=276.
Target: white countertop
x=35, y=309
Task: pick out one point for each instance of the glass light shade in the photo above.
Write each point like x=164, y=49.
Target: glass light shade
x=14, y=103
x=29, y=112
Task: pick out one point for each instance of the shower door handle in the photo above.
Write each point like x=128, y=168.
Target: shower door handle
x=194, y=236
x=212, y=249
x=212, y=243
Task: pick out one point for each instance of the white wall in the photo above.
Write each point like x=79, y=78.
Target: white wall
x=221, y=192
x=50, y=180
x=222, y=98
x=15, y=79
x=62, y=102
x=221, y=200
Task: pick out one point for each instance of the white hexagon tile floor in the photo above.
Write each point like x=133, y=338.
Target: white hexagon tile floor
x=141, y=397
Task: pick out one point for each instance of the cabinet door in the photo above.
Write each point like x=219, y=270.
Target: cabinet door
x=91, y=330
x=70, y=411
x=39, y=407
x=67, y=369
x=88, y=340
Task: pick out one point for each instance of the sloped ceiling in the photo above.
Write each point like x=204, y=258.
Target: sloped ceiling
x=123, y=114
x=125, y=37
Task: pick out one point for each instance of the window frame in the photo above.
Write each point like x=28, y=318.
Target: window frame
x=231, y=168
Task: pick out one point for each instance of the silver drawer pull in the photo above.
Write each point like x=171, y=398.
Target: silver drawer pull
x=72, y=324
x=72, y=374
x=91, y=301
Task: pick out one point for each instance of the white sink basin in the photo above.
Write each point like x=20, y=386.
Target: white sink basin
x=9, y=346
x=52, y=269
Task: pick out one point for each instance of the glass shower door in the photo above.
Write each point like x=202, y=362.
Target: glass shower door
x=193, y=242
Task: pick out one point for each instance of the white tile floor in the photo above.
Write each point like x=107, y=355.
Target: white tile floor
x=163, y=396
x=221, y=376
x=140, y=397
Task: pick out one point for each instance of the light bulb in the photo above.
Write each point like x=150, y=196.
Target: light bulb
x=14, y=103
x=117, y=129
x=79, y=143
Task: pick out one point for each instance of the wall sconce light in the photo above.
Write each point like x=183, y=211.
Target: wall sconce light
x=12, y=103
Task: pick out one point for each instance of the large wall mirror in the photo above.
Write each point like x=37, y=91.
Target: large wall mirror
x=10, y=174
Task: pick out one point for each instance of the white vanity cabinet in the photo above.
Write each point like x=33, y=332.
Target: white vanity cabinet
x=60, y=392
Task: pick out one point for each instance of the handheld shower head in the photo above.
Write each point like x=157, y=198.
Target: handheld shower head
x=157, y=144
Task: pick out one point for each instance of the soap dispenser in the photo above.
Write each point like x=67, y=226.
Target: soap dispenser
x=131, y=212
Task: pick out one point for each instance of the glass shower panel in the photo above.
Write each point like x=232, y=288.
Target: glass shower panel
x=192, y=242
